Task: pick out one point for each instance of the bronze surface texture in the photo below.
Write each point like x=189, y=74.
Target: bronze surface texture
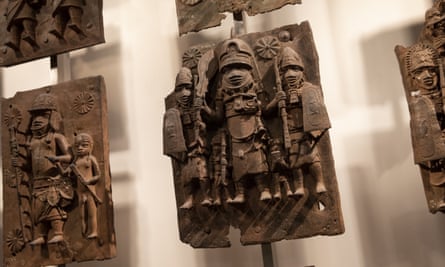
x=56, y=179
x=246, y=128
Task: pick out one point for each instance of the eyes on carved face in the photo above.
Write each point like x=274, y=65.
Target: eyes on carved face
x=40, y=120
x=83, y=147
x=426, y=77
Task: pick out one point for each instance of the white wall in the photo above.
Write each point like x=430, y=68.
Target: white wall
x=385, y=212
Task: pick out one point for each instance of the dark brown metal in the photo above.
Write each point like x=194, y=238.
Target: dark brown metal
x=33, y=29
x=56, y=181
x=196, y=15
x=422, y=69
x=224, y=134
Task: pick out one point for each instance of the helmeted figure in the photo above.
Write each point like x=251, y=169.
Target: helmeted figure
x=184, y=129
x=46, y=150
x=67, y=13
x=428, y=118
x=21, y=22
x=238, y=106
x=434, y=27
x=307, y=120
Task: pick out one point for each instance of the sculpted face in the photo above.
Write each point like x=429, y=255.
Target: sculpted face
x=425, y=78
x=184, y=94
x=292, y=76
x=40, y=121
x=83, y=147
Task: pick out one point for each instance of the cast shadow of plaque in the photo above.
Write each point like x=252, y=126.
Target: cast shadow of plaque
x=388, y=195
x=107, y=61
x=384, y=88
x=395, y=227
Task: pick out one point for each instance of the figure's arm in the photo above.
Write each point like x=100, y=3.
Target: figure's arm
x=95, y=171
x=215, y=115
x=273, y=104
x=63, y=148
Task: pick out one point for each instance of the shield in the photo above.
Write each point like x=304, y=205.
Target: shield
x=315, y=115
x=174, y=141
x=52, y=196
x=426, y=135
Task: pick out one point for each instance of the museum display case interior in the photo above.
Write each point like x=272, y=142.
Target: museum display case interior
x=385, y=211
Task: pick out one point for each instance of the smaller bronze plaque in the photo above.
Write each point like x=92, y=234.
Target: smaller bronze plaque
x=56, y=180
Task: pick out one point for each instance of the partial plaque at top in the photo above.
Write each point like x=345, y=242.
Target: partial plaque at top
x=56, y=180
x=32, y=29
x=196, y=15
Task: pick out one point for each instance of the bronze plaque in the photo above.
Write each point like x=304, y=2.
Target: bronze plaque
x=258, y=154
x=196, y=15
x=56, y=180
x=422, y=69
x=32, y=29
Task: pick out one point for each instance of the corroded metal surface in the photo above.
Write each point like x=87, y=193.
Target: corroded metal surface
x=195, y=15
x=34, y=29
x=422, y=69
x=56, y=181
x=247, y=130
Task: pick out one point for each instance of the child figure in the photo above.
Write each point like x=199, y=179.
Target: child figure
x=86, y=169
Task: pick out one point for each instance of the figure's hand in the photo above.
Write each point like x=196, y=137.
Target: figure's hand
x=53, y=159
x=15, y=162
x=280, y=95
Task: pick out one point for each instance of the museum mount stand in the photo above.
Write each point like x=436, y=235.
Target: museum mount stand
x=60, y=71
x=239, y=28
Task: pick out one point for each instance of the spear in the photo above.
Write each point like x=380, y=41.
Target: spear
x=282, y=107
x=12, y=119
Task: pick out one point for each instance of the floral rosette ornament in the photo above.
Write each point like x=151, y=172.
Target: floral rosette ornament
x=191, y=58
x=15, y=241
x=267, y=47
x=83, y=103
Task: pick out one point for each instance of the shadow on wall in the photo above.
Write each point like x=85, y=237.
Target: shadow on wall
x=395, y=226
x=385, y=89
x=106, y=60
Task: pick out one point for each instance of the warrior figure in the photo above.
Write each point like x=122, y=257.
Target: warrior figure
x=67, y=13
x=183, y=126
x=21, y=22
x=47, y=149
x=237, y=102
x=428, y=116
x=306, y=120
x=86, y=169
x=434, y=28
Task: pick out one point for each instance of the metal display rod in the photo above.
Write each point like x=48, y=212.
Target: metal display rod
x=239, y=28
x=266, y=250
x=60, y=71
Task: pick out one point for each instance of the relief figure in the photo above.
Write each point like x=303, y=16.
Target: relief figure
x=305, y=120
x=21, y=22
x=86, y=169
x=46, y=150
